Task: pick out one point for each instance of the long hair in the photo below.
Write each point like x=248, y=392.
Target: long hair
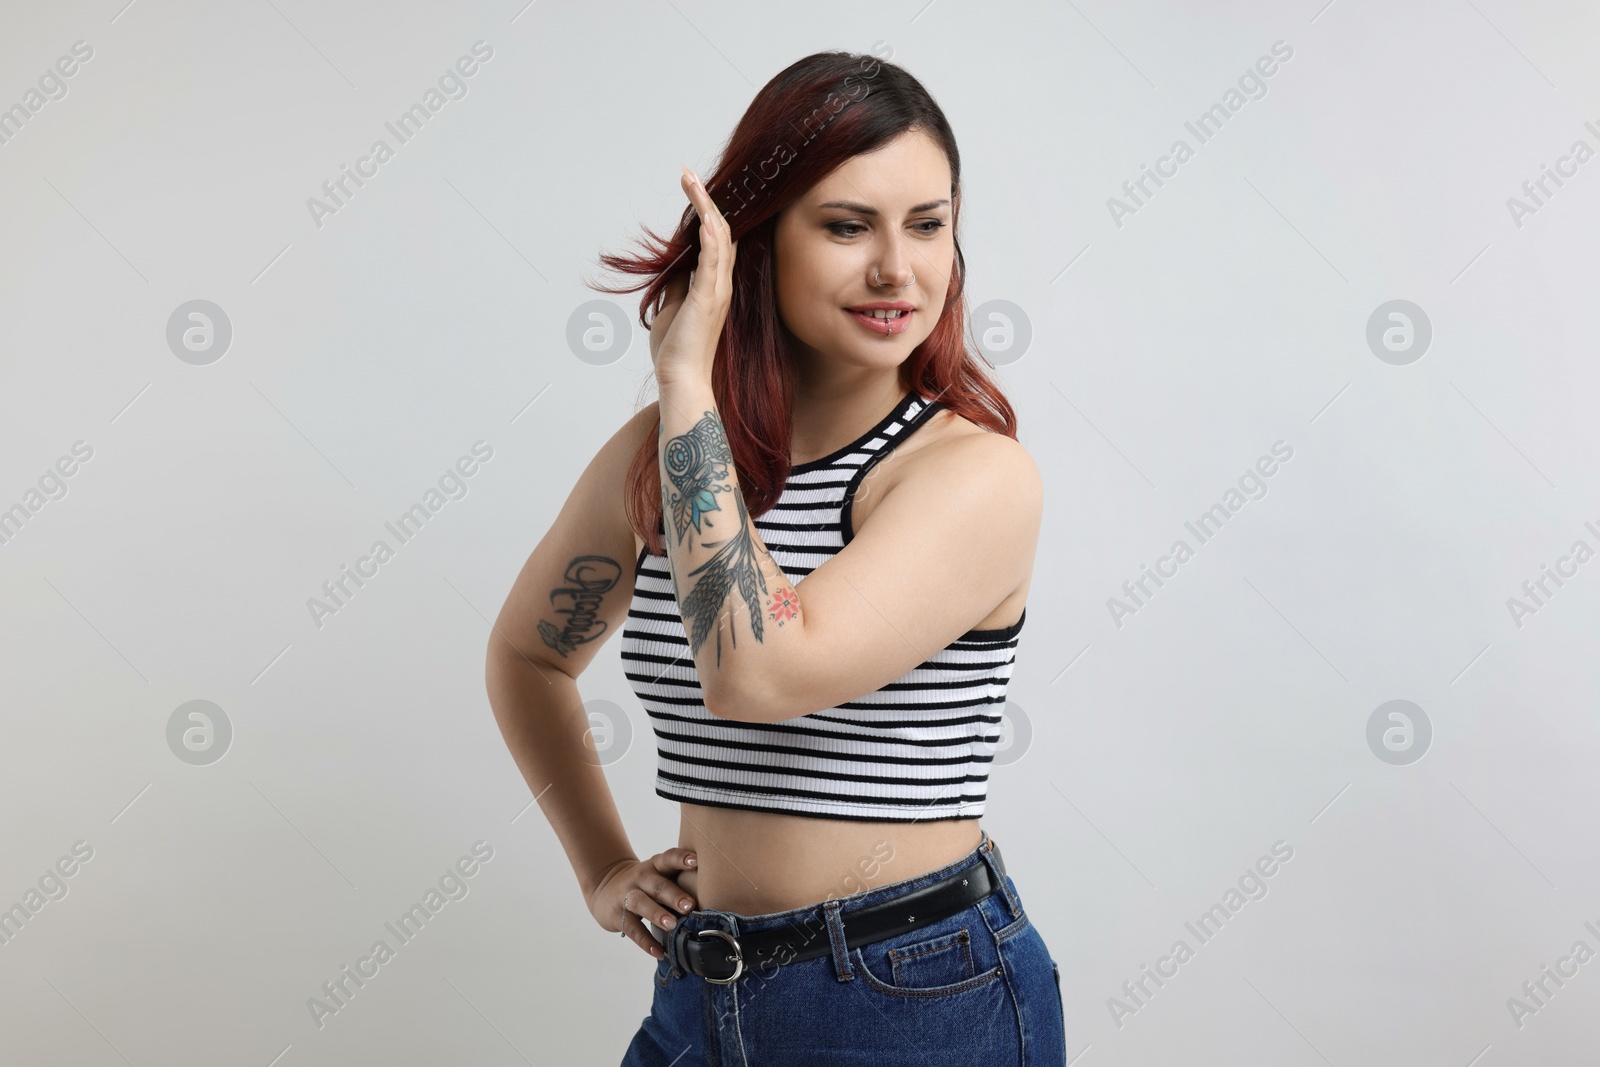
x=808, y=120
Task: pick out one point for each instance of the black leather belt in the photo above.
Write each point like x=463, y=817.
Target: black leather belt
x=719, y=957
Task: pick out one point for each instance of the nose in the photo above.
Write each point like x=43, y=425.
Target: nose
x=893, y=269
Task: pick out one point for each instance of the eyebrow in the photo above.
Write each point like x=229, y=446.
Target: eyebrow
x=863, y=209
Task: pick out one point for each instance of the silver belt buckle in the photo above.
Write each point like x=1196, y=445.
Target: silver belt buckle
x=738, y=954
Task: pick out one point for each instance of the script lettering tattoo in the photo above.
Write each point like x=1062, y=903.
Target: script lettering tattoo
x=697, y=465
x=590, y=578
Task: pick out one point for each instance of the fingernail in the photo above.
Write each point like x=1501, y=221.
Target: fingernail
x=691, y=861
x=684, y=904
x=668, y=922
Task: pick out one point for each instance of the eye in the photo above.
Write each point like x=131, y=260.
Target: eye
x=927, y=227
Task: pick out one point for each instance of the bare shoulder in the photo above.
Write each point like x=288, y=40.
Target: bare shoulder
x=957, y=462
x=971, y=479
x=641, y=426
x=600, y=499
x=611, y=462
x=959, y=450
x=640, y=423
x=574, y=589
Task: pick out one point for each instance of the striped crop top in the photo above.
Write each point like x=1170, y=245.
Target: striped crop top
x=919, y=749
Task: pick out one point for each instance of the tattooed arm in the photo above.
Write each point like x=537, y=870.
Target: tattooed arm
x=571, y=595
x=739, y=609
x=941, y=549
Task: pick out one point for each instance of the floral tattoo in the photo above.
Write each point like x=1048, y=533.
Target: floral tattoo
x=784, y=605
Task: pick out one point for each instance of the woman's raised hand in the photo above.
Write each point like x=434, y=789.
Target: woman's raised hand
x=683, y=336
x=635, y=890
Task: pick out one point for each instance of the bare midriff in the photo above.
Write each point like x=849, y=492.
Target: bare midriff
x=755, y=862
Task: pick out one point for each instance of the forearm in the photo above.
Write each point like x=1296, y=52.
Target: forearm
x=542, y=720
x=740, y=611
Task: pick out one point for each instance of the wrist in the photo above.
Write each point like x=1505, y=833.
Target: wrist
x=682, y=379
x=687, y=370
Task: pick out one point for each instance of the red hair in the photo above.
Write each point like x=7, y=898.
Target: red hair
x=803, y=124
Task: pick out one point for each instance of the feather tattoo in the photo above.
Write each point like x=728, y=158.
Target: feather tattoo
x=733, y=565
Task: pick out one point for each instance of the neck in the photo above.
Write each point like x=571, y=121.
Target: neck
x=830, y=416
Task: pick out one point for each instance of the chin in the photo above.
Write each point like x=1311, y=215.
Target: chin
x=880, y=357
x=876, y=348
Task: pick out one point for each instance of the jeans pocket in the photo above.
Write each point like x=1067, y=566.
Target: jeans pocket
x=937, y=961
x=943, y=959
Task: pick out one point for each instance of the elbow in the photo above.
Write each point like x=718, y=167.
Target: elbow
x=720, y=703
x=747, y=703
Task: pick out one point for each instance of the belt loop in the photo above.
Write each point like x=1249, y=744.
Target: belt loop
x=986, y=850
x=674, y=951
x=841, y=953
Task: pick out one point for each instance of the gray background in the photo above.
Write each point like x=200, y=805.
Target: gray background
x=1167, y=355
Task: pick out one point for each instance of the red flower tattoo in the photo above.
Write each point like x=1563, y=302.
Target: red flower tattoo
x=785, y=605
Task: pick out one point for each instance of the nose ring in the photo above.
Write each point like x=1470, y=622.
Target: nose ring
x=878, y=275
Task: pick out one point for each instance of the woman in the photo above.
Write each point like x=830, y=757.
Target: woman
x=821, y=637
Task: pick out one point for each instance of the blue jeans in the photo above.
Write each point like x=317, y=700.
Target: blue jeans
x=978, y=987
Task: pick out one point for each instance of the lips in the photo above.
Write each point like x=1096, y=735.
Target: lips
x=898, y=321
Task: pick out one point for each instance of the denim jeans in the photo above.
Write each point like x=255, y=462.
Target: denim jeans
x=976, y=988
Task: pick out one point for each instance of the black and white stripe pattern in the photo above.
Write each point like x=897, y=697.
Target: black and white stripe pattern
x=918, y=749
